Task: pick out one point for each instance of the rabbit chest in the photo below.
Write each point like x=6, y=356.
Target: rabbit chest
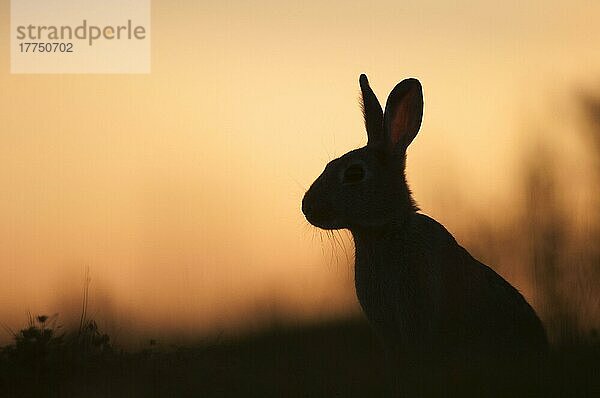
x=399, y=288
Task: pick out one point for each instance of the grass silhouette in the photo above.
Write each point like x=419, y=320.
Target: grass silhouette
x=339, y=358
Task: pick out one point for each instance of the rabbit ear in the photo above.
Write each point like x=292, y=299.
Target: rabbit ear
x=403, y=113
x=372, y=112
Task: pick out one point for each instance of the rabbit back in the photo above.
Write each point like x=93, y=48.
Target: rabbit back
x=425, y=294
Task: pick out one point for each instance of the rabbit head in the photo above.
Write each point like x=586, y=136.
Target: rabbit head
x=366, y=188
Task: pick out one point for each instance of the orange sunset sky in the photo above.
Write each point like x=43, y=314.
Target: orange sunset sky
x=181, y=189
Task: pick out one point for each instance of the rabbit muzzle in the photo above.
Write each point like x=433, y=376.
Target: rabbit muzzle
x=320, y=212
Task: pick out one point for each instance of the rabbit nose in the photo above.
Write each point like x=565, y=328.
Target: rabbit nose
x=316, y=209
x=306, y=205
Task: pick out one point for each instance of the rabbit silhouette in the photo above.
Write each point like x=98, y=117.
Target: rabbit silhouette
x=423, y=293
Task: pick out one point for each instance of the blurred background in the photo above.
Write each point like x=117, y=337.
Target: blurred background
x=180, y=190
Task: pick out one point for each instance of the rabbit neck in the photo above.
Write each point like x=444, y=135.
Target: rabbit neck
x=377, y=249
x=365, y=236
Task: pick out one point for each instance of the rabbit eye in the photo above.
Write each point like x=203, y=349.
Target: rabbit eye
x=354, y=174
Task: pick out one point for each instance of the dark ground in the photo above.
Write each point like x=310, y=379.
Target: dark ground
x=337, y=359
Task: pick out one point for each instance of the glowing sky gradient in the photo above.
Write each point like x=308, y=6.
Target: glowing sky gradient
x=181, y=189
